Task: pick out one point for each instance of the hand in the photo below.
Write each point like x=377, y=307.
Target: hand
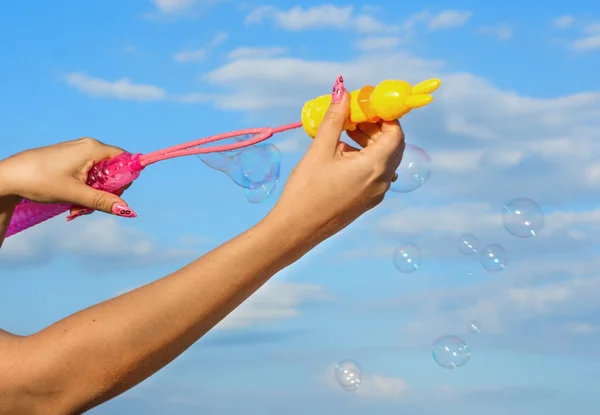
x=335, y=183
x=57, y=174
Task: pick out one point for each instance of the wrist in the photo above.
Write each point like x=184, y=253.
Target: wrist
x=293, y=230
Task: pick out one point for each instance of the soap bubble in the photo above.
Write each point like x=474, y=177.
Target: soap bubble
x=248, y=167
x=493, y=258
x=522, y=217
x=218, y=161
x=450, y=352
x=468, y=244
x=414, y=170
x=259, y=164
x=474, y=327
x=264, y=192
x=407, y=258
x=349, y=375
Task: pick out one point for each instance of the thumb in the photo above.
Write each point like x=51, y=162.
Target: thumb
x=330, y=130
x=83, y=195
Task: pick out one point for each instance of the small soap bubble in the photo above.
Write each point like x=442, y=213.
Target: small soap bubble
x=493, y=258
x=259, y=195
x=407, y=258
x=414, y=170
x=450, y=352
x=349, y=375
x=468, y=244
x=474, y=327
x=522, y=217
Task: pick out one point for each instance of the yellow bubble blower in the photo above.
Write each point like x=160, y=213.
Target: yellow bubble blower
x=389, y=100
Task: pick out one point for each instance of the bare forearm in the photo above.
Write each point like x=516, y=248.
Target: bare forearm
x=106, y=349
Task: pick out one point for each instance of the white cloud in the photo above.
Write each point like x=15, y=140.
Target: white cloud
x=502, y=31
x=175, y=9
x=540, y=318
x=219, y=39
x=318, y=17
x=190, y=55
x=256, y=53
x=372, y=43
x=563, y=22
x=122, y=89
x=588, y=43
x=174, y=6
x=448, y=19
x=273, y=302
x=590, y=39
x=101, y=242
x=200, y=54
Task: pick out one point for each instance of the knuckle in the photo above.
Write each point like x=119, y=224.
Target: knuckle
x=384, y=187
x=376, y=201
x=378, y=171
x=88, y=141
x=331, y=116
x=101, y=202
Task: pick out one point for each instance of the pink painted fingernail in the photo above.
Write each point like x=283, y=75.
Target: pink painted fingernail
x=124, y=211
x=338, y=89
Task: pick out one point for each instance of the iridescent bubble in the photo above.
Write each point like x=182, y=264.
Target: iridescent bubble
x=468, y=244
x=217, y=161
x=474, y=327
x=264, y=192
x=407, y=258
x=349, y=375
x=414, y=170
x=522, y=217
x=450, y=352
x=493, y=258
x=249, y=167
x=258, y=165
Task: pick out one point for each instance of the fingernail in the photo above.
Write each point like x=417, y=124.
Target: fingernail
x=79, y=213
x=124, y=211
x=338, y=89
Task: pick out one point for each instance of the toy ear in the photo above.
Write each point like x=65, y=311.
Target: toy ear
x=418, y=101
x=426, y=87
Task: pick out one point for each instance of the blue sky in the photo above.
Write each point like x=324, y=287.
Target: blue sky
x=518, y=115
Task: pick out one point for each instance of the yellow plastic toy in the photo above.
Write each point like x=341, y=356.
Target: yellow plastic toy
x=389, y=100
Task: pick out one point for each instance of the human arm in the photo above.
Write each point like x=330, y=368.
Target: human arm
x=102, y=351
x=124, y=340
x=8, y=203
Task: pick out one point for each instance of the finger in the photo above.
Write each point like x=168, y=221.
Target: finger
x=372, y=130
x=77, y=211
x=81, y=194
x=359, y=137
x=330, y=130
x=391, y=141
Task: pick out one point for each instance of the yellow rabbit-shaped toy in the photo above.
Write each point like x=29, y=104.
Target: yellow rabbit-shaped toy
x=387, y=101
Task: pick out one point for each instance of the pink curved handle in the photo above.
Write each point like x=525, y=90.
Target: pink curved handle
x=109, y=175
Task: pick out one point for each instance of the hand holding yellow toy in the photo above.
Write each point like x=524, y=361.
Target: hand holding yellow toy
x=387, y=101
